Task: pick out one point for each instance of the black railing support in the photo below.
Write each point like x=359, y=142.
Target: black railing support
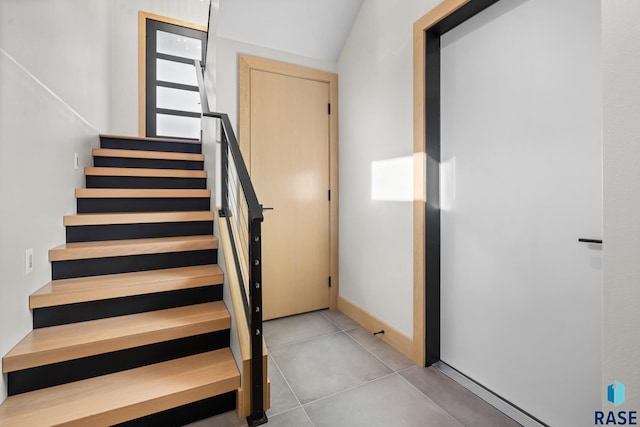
x=231, y=155
x=224, y=173
x=258, y=415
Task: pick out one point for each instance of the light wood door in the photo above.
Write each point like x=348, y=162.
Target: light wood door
x=290, y=170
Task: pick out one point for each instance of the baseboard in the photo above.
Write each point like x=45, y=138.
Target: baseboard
x=391, y=336
x=521, y=417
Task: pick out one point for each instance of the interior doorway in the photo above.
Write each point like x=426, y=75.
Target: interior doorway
x=287, y=131
x=513, y=168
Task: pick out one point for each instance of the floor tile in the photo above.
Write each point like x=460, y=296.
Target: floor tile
x=228, y=419
x=295, y=328
x=389, y=401
x=282, y=398
x=389, y=355
x=342, y=320
x=465, y=406
x=326, y=365
x=294, y=418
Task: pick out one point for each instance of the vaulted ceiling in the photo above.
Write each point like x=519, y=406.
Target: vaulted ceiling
x=312, y=28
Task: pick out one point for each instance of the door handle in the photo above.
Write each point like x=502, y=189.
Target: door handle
x=582, y=240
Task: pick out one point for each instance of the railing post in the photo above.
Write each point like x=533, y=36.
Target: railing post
x=258, y=415
x=224, y=172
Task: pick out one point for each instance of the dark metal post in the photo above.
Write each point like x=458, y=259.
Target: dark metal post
x=432, y=207
x=224, y=171
x=258, y=415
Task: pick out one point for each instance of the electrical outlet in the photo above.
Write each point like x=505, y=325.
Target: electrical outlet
x=76, y=161
x=28, y=261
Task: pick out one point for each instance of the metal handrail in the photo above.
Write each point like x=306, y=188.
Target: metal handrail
x=255, y=209
x=230, y=151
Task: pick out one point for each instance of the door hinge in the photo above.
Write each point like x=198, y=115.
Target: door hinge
x=329, y=108
x=329, y=195
x=329, y=281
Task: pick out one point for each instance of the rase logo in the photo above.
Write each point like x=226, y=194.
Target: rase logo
x=615, y=393
x=616, y=396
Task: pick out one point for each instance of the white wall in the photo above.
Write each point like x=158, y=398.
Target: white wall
x=227, y=52
x=124, y=52
x=376, y=123
x=65, y=44
x=621, y=106
x=38, y=138
x=310, y=28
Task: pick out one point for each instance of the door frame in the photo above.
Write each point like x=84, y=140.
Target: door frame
x=248, y=63
x=426, y=153
x=142, y=60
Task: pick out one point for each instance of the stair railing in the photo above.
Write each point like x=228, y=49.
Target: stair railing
x=244, y=219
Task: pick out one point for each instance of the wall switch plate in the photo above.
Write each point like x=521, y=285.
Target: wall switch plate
x=28, y=261
x=76, y=161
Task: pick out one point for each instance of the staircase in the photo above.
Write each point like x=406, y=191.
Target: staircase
x=132, y=329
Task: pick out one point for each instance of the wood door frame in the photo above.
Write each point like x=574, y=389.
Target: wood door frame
x=142, y=60
x=246, y=65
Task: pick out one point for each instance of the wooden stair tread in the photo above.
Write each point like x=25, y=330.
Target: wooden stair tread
x=112, y=248
x=115, y=398
x=73, y=341
x=136, y=218
x=84, y=289
x=139, y=154
x=150, y=173
x=147, y=138
x=151, y=193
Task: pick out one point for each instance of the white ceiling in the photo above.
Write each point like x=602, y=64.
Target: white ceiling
x=312, y=28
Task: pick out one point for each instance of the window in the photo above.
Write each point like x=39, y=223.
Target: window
x=172, y=99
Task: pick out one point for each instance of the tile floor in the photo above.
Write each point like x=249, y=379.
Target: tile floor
x=327, y=371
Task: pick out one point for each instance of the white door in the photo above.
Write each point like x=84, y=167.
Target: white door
x=521, y=181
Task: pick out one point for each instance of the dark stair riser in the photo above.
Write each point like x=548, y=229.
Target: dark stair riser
x=146, y=145
x=125, y=162
x=187, y=414
x=107, y=363
x=95, y=181
x=101, y=309
x=95, y=233
x=127, y=264
x=117, y=205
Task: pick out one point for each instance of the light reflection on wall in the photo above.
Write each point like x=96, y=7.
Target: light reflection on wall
x=392, y=179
